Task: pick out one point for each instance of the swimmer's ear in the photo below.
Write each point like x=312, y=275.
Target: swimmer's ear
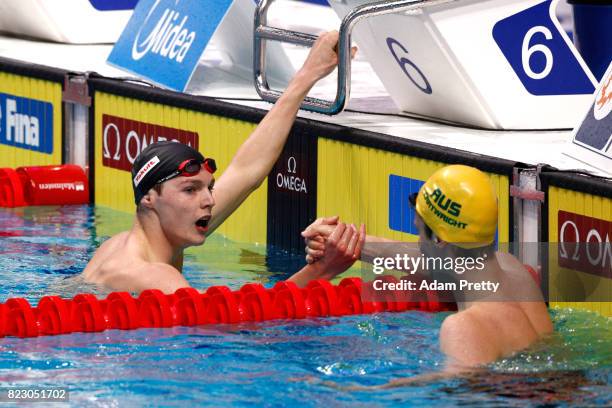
x=435, y=238
x=440, y=243
x=147, y=200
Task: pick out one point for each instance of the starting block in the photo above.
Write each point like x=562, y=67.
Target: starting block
x=497, y=64
x=74, y=21
x=165, y=40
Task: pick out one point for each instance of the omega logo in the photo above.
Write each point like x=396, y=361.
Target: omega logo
x=290, y=182
x=584, y=243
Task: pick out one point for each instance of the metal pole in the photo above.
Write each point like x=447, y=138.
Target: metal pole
x=263, y=32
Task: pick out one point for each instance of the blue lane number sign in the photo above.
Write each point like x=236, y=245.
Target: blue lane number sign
x=165, y=39
x=539, y=55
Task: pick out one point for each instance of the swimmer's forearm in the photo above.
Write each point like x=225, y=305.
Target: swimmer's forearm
x=308, y=273
x=260, y=151
x=378, y=247
x=373, y=247
x=255, y=158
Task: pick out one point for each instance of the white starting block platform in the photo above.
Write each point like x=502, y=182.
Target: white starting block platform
x=371, y=107
x=496, y=64
x=97, y=21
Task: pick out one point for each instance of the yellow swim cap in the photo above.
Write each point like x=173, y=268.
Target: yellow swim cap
x=459, y=204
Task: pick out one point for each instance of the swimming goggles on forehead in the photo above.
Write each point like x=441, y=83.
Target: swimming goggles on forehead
x=190, y=168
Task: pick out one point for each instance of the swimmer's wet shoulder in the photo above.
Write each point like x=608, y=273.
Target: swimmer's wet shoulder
x=478, y=336
x=121, y=264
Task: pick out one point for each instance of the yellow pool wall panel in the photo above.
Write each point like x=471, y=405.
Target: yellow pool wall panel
x=587, y=205
x=41, y=90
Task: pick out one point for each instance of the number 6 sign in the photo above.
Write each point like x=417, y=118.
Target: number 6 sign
x=498, y=64
x=540, y=57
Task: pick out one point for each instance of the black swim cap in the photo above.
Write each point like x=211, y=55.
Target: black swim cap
x=156, y=161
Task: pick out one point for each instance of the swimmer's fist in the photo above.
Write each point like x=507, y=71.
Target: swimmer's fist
x=315, y=236
x=342, y=248
x=323, y=57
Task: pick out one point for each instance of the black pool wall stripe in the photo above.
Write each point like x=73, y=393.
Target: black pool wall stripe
x=292, y=192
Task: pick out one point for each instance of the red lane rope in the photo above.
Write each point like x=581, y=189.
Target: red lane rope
x=218, y=304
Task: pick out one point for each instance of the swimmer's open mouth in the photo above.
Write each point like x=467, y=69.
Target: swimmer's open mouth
x=202, y=222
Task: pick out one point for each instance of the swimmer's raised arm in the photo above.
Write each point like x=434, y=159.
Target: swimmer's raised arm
x=255, y=158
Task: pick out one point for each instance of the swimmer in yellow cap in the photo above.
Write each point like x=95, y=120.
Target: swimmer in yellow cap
x=456, y=215
x=178, y=207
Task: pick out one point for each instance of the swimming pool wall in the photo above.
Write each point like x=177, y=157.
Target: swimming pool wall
x=581, y=206
x=32, y=114
x=324, y=169
x=355, y=166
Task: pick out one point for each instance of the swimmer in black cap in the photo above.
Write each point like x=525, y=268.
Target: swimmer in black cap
x=177, y=206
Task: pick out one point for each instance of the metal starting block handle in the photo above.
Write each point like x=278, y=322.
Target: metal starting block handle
x=263, y=32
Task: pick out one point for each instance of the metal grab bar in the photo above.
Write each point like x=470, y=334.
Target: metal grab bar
x=263, y=32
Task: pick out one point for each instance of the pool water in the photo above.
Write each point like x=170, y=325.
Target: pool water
x=276, y=363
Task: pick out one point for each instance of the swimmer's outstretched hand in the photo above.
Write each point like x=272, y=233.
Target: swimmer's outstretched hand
x=315, y=236
x=323, y=56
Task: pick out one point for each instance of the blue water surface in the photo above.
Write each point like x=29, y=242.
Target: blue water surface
x=311, y=362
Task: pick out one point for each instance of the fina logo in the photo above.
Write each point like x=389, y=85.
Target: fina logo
x=21, y=129
x=26, y=123
x=167, y=39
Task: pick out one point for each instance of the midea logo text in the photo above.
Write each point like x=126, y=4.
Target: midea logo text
x=169, y=38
